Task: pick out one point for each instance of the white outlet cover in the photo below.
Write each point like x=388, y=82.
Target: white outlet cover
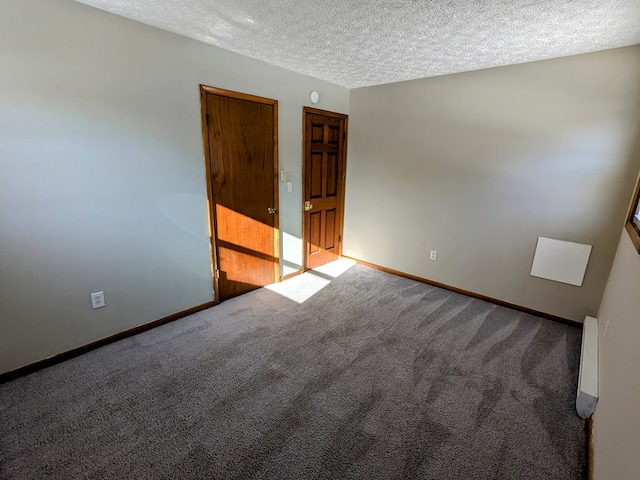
x=97, y=300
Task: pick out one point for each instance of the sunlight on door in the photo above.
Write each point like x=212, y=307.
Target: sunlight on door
x=249, y=253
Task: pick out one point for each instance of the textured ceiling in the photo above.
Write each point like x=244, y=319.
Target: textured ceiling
x=356, y=43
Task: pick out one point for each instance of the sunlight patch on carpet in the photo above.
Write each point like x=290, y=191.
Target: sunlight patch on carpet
x=303, y=287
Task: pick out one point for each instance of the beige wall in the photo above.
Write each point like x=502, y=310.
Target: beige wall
x=478, y=165
x=616, y=434
x=102, y=181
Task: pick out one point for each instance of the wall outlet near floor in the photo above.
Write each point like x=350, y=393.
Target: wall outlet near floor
x=434, y=255
x=97, y=300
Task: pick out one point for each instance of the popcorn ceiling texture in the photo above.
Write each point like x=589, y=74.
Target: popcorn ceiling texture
x=358, y=43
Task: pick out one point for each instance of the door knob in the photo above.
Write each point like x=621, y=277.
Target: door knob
x=307, y=206
x=271, y=210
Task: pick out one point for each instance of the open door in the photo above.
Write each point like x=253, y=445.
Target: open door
x=325, y=140
x=240, y=140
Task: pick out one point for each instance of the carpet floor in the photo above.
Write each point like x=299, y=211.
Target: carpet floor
x=341, y=373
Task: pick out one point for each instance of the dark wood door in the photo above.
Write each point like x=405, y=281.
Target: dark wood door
x=325, y=135
x=240, y=134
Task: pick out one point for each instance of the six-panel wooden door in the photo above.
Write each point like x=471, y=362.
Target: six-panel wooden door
x=323, y=195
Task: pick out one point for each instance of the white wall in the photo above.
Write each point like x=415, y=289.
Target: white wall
x=102, y=181
x=616, y=422
x=477, y=165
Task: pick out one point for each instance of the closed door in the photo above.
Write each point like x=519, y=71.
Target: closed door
x=241, y=159
x=325, y=135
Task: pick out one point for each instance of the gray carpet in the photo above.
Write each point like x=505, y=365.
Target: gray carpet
x=373, y=377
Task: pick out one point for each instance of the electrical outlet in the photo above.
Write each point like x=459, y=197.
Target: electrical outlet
x=434, y=255
x=289, y=187
x=97, y=300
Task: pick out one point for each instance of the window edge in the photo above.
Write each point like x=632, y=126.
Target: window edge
x=630, y=225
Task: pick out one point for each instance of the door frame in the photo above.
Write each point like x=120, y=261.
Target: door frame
x=213, y=230
x=326, y=113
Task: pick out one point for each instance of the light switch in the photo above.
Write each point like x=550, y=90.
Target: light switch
x=283, y=175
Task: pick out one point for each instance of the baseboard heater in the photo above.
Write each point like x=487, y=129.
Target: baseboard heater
x=587, y=395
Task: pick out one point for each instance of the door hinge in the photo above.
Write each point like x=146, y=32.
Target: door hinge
x=216, y=273
x=339, y=238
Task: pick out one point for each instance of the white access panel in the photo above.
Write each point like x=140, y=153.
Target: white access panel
x=560, y=261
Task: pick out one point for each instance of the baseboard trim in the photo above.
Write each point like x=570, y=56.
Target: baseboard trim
x=61, y=357
x=479, y=296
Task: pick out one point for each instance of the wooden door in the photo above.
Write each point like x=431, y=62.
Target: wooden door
x=325, y=136
x=240, y=136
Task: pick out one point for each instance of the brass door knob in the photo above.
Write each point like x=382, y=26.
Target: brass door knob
x=307, y=206
x=271, y=210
